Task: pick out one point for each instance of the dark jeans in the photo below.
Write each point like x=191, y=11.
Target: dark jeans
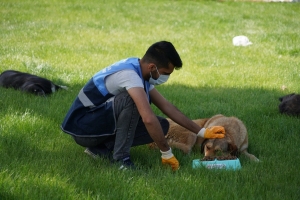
x=130, y=129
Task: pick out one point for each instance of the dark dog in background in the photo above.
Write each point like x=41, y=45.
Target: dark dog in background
x=28, y=83
x=290, y=104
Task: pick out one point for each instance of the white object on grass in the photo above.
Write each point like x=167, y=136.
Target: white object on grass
x=241, y=40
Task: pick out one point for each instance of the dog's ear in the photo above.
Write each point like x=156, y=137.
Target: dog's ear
x=33, y=88
x=203, y=145
x=233, y=150
x=203, y=122
x=286, y=96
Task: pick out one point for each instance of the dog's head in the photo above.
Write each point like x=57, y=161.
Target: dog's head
x=219, y=147
x=33, y=88
x=290, y=104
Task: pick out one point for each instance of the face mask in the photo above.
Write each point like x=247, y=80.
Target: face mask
x=161, y=79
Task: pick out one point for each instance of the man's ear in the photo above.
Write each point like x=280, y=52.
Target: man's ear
x=152, y=66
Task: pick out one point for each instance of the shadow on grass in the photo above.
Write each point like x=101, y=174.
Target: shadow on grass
x=194, y=102
x=54, y=153
x=257, y=108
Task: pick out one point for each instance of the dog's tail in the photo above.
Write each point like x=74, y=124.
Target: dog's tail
x=251, y=156
x=63, y=87
x=55, y=87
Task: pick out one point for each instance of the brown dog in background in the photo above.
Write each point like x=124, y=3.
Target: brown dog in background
x=235, y=141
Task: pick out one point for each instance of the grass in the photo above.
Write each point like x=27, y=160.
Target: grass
x=68, y=41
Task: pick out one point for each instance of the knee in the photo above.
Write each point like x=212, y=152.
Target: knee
x=124, y=105
x=124, y=98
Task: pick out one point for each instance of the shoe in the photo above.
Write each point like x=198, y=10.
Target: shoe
x=126, y=163
x=98, y=152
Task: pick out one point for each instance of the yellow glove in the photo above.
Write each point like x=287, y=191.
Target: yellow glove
x=212, y=132
x=167, y=158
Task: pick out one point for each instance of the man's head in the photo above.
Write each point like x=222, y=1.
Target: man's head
x=162, y=54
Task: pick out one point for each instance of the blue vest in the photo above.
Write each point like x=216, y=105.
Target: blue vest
x=92, y=114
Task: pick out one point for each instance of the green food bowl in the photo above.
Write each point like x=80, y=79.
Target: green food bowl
x=218, y=164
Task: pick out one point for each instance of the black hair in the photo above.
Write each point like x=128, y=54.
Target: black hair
x=162, y=53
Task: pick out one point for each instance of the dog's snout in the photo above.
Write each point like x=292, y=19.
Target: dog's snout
x=218, y=150
x=210, y=150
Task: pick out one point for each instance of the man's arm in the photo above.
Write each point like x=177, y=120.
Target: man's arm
x=172, y=112
x=149, y=118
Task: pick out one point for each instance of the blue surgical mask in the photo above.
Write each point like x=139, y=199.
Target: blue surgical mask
x=160, y=80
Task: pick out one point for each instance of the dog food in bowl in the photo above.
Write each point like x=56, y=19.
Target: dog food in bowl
x=211, y=158
x=228, y=164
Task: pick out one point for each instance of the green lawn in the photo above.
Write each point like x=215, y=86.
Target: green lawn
x=68, y=41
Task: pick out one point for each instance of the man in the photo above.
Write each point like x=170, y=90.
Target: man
x=112, y=111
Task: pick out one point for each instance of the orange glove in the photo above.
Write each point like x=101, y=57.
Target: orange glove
x=212, y=132
x=168, y=158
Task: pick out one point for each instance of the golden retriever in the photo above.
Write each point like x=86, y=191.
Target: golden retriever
x=235, y=141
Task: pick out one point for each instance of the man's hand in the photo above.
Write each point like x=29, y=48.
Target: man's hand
x=168, y=158
x=212, y=132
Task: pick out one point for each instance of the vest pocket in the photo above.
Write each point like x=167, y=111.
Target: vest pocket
x=98, y=121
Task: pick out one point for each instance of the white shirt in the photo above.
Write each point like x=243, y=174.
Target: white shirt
x=124, y=80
